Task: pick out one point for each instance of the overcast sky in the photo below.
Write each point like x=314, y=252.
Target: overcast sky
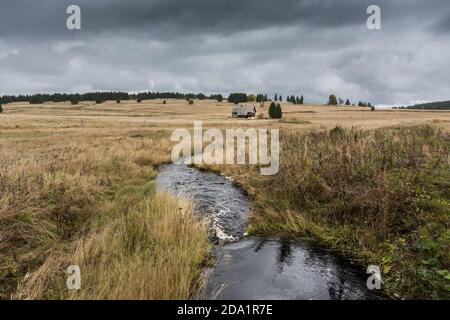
x=310, y=47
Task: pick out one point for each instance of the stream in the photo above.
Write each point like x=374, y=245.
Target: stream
x=255, y=268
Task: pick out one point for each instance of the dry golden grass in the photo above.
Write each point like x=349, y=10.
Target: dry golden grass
x=147, y=251
x=56, y=184
x=155, y=114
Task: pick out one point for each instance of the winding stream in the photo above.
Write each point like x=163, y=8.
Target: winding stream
x=259, y=268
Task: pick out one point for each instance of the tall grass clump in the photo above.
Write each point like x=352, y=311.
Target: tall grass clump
x=383, y=196
x=62, y=198
x=150, y=250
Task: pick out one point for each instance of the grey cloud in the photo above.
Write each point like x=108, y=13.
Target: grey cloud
x=311, y=47
x=175, y=17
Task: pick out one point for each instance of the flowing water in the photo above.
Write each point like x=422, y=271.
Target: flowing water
x=259, y=268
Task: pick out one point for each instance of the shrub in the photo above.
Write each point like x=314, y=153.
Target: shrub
x=191, y=101
x=1, y=109
x=337, y=132
x=36, y=100
x=74, y=102
x=164, y=102
x=251, y=98
x=332, y=100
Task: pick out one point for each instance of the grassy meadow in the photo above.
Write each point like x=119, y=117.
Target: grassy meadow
x=85, y=196
x=76, y=187
x=382, y=197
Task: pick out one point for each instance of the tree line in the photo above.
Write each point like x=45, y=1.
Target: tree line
x=334, y=101
x=440, y=105
x=100, y=97
x=237, y=98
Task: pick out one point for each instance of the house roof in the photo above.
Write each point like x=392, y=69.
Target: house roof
x=243, y=109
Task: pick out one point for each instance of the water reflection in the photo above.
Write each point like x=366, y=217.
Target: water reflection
x=258, y=268
x=284, y=255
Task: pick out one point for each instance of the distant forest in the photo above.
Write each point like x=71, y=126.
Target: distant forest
x=442, y=105
x=104, y=96
x=100, y=97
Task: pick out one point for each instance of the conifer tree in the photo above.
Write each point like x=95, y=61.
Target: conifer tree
x=279, y=112
x=273, y=110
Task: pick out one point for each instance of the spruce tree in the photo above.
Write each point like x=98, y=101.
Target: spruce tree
x=273, y=110
x=292, y=99
x=279, y=112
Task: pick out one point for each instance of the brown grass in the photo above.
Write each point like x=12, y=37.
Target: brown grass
x=147, y=251
x=154, y=114
x=55, y=185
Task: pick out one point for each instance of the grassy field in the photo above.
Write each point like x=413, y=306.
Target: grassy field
x=85, y=196
x=76, y=188
x=382, y=197
x=155, y=114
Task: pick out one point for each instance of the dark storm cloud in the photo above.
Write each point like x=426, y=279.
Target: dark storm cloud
x=313, y=47
x=442, y=25
x=46, y=18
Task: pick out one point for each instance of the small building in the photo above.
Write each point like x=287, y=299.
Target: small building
x=244, y=112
